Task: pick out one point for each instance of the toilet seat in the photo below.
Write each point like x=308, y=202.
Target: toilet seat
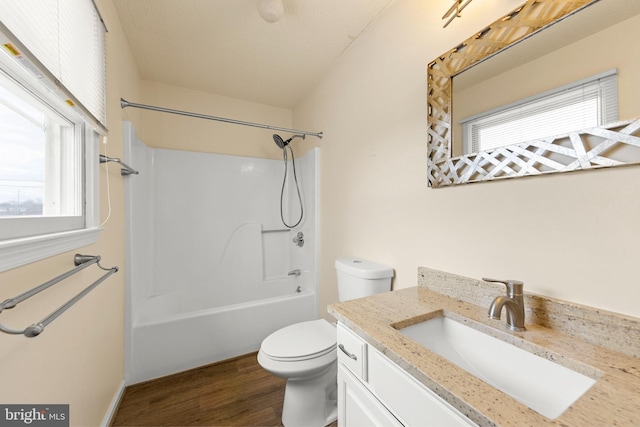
x=300, y=341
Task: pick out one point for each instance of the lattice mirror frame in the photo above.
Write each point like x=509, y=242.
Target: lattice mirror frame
x=586, y=149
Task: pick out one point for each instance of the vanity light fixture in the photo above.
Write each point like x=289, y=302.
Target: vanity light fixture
x=454, y=10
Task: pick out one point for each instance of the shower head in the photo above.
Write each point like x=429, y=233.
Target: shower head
x=281, y=143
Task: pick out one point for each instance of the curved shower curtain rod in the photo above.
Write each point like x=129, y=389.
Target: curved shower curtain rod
x=124, y=103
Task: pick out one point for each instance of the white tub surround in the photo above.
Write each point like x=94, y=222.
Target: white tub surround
x=208, y=257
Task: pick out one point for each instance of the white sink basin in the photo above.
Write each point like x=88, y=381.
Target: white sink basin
x=542, y=385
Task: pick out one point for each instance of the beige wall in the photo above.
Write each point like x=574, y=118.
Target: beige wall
x=78, y=359
x=563, y=66
x=165, y=130
x=572, y=236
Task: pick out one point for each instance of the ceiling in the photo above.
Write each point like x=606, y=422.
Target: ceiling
x=225, y=47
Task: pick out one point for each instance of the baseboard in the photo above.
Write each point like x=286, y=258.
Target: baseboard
x=113, y=407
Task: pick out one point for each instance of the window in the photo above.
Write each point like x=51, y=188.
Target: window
x=40, y=165
x=50, y=123
x=583, y=104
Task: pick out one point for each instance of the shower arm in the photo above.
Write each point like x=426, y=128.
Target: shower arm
x=124, y=103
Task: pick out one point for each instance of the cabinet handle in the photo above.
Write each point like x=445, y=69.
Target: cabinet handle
x=344, y=350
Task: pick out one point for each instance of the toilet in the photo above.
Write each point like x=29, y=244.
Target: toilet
x=305, y=353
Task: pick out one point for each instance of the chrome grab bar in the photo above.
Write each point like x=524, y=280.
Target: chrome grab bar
x=81, y=262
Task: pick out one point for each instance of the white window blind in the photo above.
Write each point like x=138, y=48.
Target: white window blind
x=67, y=37
x=587, y=103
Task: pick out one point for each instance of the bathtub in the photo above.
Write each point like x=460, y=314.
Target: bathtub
x=210, y=267
x=185, y=341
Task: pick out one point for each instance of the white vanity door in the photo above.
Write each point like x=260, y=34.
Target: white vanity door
x=411, y=401
x=357, y=407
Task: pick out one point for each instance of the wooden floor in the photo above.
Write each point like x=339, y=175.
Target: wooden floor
x=235, y=392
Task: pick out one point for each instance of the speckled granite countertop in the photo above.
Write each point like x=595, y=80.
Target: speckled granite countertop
x=608, y=353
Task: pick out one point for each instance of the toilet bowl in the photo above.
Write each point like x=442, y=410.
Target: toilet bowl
x=305, y=353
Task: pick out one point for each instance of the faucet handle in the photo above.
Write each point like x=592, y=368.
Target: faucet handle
x=514, y=287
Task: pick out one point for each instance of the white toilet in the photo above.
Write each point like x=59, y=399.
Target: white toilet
x=305, y=353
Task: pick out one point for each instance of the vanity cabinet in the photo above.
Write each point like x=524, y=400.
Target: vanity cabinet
x=374, y=391
x=357, y=406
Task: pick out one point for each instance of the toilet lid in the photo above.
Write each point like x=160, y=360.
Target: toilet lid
x=301, y=340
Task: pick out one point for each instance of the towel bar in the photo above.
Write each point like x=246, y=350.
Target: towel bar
x=81, y=262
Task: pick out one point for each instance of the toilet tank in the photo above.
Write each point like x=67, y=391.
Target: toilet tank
x=359, y=278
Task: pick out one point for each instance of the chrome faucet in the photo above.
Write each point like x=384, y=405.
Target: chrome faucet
x=295, y=272
x=513, y=304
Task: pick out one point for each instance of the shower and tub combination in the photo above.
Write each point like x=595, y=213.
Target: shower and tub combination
x=221, y=252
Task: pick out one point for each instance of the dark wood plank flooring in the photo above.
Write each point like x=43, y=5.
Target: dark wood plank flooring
x=236, y=392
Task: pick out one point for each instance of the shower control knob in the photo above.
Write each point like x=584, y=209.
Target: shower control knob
x=299, y=239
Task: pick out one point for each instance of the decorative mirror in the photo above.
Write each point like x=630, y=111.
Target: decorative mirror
x=529, y=37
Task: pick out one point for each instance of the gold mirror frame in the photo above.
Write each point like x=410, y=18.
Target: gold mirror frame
x=531, y=158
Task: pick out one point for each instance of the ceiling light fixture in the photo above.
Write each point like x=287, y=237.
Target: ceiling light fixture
x=270, y=10
x=457, y=7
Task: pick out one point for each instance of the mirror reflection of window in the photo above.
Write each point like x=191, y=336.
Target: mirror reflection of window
x=580, y=105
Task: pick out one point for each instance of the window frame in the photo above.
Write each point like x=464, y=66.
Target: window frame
x=49, y=240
